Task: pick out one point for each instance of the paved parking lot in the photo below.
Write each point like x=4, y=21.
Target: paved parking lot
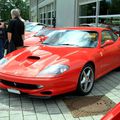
x=19, y=107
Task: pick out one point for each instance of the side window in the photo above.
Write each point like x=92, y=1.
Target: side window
x=115, y=37
x=106, y=35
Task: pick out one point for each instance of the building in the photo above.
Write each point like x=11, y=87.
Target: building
x=28, y=5
x=75, y=12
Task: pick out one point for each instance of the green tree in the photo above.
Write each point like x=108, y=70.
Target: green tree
x=7, y=5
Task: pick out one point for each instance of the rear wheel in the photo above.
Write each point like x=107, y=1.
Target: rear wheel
x=86, y=80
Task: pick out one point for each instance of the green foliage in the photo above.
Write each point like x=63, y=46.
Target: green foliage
x=7, y=5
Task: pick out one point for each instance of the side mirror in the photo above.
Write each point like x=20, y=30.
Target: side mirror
x=43, y=38
x=108, y=42
x=116, y=32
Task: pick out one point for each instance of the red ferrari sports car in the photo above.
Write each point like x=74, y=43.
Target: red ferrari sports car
x=69, y=60
x=39, y=37
x=32, y=28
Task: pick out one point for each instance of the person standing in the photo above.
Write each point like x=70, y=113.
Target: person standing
x=54, y=22
x=3, y=38
x=15, y=31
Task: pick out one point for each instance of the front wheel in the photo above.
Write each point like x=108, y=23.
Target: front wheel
x=86, y=80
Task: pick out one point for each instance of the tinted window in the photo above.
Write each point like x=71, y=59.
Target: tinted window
x=106, y=35
x=115, y=36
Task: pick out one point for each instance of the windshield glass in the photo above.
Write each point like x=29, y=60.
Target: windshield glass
x=36, y=28
x=73, y=38
x=44, y=32
x=33, y=28
x=29, y=26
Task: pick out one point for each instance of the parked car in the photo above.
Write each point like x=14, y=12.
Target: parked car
x=32, y=28
x=39, y=37
x=93, y=25
x=69, y=60
x=115, y=29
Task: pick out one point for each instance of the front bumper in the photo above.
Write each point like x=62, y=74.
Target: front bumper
x=51, y=86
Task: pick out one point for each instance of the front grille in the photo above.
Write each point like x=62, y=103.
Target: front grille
x=19, y=85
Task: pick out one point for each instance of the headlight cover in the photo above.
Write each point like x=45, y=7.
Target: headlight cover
x=3, y=61
x=54, y=70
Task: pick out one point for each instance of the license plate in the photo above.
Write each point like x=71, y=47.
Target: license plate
x=13, y=91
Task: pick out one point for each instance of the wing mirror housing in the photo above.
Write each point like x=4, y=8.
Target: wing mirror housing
x=108, y=42
x=43, y=38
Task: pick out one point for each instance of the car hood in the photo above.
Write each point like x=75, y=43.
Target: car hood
x=32, y=60
x=29, y=34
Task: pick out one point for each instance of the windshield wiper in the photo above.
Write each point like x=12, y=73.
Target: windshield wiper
x=69, y=44
x=46, y=43
x=37, y=35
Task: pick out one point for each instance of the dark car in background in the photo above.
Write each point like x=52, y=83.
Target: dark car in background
x=114, y=28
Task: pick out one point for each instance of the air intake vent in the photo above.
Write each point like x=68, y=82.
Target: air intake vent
x=34, y=57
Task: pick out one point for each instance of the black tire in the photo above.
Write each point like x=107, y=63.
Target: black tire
x=117, y=69
x=80, y=87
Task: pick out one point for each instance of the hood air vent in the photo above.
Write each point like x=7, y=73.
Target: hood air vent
x=33, y=57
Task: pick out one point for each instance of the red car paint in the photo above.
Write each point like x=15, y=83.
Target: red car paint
x=32, y=41
x=22, y=69
x=29, y=34
x=113, y=114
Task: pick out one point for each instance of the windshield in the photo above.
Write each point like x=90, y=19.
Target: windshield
x=36, y=28
x=29, y=26
x=73, y=38
x=33, y=28
x=44, y=32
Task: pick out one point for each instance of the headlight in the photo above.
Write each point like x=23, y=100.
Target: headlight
x=54, y=70
x=3, y=61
